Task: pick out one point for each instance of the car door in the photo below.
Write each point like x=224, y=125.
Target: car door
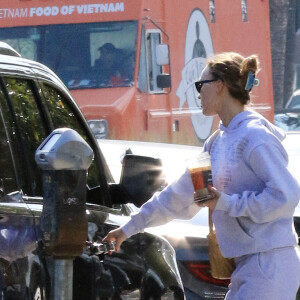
x=30, y=116
x=28, y=123
x=102, y=217
x=145, y=267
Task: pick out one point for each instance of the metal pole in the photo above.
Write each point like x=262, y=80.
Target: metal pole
x=63, y=279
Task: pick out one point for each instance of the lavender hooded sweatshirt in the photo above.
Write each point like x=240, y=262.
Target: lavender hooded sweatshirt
x=258, y=192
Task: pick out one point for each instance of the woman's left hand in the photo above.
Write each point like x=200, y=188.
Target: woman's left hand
x=211, y=203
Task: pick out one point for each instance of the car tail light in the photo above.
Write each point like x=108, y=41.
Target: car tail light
x=202, y=271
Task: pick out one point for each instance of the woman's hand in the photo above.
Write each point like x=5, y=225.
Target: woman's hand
x=118, y=236
x=211, y=203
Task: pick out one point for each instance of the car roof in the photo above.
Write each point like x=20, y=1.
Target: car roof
x=8, y=50
x=13, y=65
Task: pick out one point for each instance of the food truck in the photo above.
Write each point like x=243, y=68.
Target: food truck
x=131, y=65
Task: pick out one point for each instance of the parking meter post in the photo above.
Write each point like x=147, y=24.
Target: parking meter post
x=64, y=158
x=63, y=279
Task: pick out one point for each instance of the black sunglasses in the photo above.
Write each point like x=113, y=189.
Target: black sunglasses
x=199, y=84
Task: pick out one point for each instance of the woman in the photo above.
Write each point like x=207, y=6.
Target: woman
x=254, y=194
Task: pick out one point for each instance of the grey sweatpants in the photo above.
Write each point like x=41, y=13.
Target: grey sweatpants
x=271, y=275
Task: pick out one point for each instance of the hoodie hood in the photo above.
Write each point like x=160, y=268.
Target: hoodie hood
x=247, y=116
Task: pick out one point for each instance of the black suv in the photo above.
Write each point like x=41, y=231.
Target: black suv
x=34, y=102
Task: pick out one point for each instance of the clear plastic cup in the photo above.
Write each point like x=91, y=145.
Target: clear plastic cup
x=200, y=171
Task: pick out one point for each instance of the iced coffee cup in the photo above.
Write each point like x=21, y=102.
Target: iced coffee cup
x=200, y=171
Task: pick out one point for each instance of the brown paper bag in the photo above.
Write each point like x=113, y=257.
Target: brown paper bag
x=221, y=267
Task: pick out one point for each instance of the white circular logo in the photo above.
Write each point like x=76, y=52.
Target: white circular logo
x=198, y=46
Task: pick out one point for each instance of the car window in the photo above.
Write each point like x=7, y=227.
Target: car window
x=8, y=180
x=295, y=103
x=63, y=115
x=26, y=130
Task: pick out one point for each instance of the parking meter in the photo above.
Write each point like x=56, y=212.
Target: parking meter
x=64, y=157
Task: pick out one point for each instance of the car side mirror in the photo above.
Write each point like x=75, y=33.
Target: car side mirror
x=141, y=177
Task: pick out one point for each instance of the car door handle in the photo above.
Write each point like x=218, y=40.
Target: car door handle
x=100, y=248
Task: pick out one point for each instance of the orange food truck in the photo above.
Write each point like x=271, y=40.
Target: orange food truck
x=131, y=64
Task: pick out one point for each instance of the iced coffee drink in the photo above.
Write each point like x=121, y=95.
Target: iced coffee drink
x=200, y=171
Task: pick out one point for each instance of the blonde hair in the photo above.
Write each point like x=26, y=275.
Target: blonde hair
x=233, y=69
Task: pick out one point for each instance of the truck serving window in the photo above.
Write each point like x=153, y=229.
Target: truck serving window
x=89, y=55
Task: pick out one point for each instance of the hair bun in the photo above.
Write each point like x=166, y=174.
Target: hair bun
x=249, y=64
